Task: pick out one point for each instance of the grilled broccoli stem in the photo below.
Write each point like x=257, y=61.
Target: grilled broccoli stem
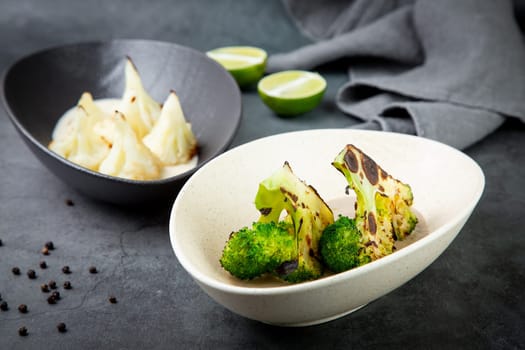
x=285, y=239
x=341, y=246
x=305, y=210
x=383, y=207
x=259, y=249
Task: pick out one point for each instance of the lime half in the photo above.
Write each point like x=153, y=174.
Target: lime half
x=245, y=63
x=293, y=92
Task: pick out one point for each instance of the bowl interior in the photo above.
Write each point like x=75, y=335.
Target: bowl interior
x=39, y=88
x=446, y=185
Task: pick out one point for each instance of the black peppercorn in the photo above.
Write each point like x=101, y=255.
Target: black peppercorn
x=52, y=284
x=66, y=270
x=69, y=202
x=22, y=331
x=61, y=327
x=22, y=308
x=45, y=251
x=1, y=243
x=31, y=274
x=56, y=295
x=93, y=269
x=4, y=306
x=44, y=288
x=43, y=265
x=67, y=285
x=112, y=300
x=16, y=271
x=49, y=245
x=51, y=300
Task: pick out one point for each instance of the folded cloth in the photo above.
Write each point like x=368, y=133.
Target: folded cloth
x=447, y=70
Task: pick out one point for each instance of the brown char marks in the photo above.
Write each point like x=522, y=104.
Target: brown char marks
x=371, y=169
x=351, y=160
x=355, y=160
x=289, y=194
x=265, y=211
x=372, y=226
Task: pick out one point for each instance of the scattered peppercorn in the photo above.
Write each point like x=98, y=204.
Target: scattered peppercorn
x=43, y=265
x=22, y=308
x=16, y=271
x=31, y=274
x=49, y=245
x=22, y=331
x=66, y=270
x=56, y=295
x=1, y=243
x=4, y=306
x=0, y=297
x=51, y=300
x=93, y=269
x=62, y=327
x=69, y=202
x=112, y=300
x=45, y=251
x=52, y=284
x=67, y=285
x=44, y=288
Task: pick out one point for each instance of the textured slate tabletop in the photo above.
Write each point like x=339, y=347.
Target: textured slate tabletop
x=471, y=297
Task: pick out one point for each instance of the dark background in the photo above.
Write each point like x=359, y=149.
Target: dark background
x=472, y=297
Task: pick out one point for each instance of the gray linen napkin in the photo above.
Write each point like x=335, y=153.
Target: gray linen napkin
x=447, y=70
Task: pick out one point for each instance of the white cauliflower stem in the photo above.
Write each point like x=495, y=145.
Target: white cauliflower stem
x=129, y=158
x=74, y=139
x=140, y=109
x=171, y=138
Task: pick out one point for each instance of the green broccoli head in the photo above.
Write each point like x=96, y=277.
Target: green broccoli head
x=254, y=251
x=383, y=207
x=305, y=210
x=342, y=247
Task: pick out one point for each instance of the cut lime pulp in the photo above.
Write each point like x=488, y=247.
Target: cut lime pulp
x=293, y=92
x=245, y=63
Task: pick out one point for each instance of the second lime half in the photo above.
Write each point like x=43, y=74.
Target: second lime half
x=292, y=92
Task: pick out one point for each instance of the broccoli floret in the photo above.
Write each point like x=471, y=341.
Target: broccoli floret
x=342, y=247
x=305, y=210
x=383, y=212
x=260, y=249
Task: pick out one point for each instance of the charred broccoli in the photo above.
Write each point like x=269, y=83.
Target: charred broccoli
x=382, y=216
x=284, y=201
x=342, y=247
x=262, y=248
x=296, y=236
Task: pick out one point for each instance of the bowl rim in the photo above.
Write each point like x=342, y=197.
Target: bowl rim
x=28, y=136
x=338, y=277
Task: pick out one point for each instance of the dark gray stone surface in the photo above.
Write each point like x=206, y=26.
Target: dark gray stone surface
x=472, y=297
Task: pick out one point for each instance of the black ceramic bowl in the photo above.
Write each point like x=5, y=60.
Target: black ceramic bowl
x=39, y=88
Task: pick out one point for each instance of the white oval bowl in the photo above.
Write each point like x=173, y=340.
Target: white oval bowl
x=218, y=199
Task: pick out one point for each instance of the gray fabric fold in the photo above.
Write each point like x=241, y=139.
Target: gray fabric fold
x=448, y=70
